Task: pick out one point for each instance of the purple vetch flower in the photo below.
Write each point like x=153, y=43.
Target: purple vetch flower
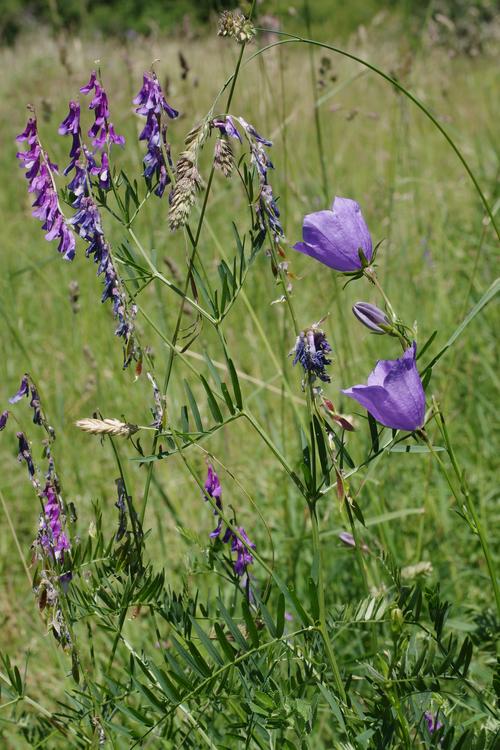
x=335, y=237
x=152, y=105
x=310, y=350
x=40, y=175
x=102, y=131
x=4, y=416
x=266, y=206
x=243, y=556
x=71, y=123
x=52, y=538
x=24, y=454
x=371, y=316
x=433, y=724
x=87, y=222
x=22, y=392
x=214, y=490
x=394, y=394
x=227, y=127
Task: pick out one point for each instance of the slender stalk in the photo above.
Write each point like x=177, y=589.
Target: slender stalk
x=321, y=602
x=291, y=38
x=172, y=353
x=468, y=500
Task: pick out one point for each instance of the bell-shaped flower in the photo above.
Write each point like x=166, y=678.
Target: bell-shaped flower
x=335, y=237
x=394, y=394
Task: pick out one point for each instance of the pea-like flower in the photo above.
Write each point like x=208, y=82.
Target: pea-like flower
x=394, y=394
x=338, y=237
x=214, y=490
x=433, y=723
x=4, y=416
x=310, y=350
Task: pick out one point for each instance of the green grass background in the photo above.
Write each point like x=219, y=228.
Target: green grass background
x=437, y=258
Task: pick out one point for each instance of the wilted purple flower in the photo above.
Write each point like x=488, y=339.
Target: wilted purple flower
x=36, y=406
x=310, y=350
x=243, y=556
x=52, y=538
x=40, y=171
x=158, y=411
x=214, y=490
x=3, y=419
x=25, y=454
x=23, y=391
x=102, y=130
x=394, y=394
x=335, y=237
x=371, y=316
x=433, y=724
x=152, y=104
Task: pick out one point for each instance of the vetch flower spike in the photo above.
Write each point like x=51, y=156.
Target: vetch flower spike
x=394, y=394
x=335, y=237
x=372, y=317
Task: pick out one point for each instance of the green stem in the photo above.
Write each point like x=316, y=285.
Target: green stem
x=300, y=40
x=468, y=501
x=318, y=568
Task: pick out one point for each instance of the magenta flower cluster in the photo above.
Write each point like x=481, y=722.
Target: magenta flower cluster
x=40, y=175
x=52, y=538
x=151, y=104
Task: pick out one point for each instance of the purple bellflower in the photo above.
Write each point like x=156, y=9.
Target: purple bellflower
x=335, y=237
x=311, y=348
x=151, y=104
x=4, y=416
x=40, y=175
x=394, y=394
x=371, y=316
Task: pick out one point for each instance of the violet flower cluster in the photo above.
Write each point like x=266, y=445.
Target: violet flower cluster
x=151, y=104
x=102, y=131
x=243, y=555
x=51, y=535
x=40, y=175
x=87, y=219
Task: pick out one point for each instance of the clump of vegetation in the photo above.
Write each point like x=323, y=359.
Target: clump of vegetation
x=284, y=616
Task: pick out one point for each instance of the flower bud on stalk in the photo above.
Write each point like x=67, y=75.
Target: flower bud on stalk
x=372, y=317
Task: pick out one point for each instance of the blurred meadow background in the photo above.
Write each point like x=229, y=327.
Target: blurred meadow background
x=337, y=129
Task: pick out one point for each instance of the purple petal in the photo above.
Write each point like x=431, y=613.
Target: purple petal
x=335, y=237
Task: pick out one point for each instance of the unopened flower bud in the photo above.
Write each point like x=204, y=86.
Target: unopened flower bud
x=372, y=317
